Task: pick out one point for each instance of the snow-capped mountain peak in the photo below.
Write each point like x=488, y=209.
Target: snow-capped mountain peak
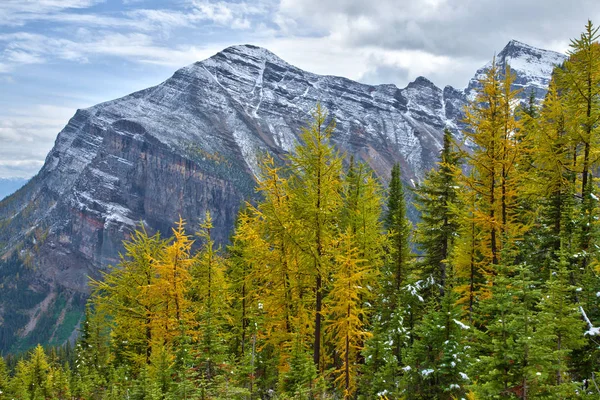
x=532, y=68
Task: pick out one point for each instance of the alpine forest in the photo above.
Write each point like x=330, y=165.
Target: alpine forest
x=327, y=290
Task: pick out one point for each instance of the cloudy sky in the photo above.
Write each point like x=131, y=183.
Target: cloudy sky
x=60, y=55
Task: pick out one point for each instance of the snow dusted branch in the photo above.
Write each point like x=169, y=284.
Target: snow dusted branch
x=592, y=330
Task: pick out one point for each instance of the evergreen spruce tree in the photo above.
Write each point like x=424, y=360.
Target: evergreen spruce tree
x=299, y=381
x=399, y=228
x=437, y=362
x=162, y=369
x=398, y=303
x=558, y=333
x=91, y=355
x=504, y=368
x=211, y=302
x=398, y=272
x=437, y=201
x=145, y=388
x=189, y=378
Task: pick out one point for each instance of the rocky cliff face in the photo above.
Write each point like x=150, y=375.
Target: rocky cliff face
x=192, y=144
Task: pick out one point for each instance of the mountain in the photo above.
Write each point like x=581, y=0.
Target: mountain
x=191, y=144
x=10, y=185
x=532, y=67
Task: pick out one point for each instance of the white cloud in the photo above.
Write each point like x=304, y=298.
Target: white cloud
x=465, y=28
x=25, y=48
x=17, y=12
x=218, y=12
x=22, y=57
x=41, y=6
x=468, y=32
x=159, y=21
x=26, y=136
x=371, y=64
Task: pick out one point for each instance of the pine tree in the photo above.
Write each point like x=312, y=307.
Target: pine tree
x=397, y=272
x=92, y=355
x=558, y=333
x=211, y=303
x=504, y=347
x=437, y=201
x=299, y=381
x=437, y=362
x=398, y=303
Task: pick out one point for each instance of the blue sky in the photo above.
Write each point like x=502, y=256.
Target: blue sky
x=60, y=55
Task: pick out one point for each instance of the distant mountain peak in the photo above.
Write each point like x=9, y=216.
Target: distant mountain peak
x=245, y=53
x=516, y=44
x=532, y=67
x=422, y=81
x=517, y=49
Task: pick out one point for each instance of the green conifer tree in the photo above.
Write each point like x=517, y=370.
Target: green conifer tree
x=210, y=296
x=504, y=346
x=437, y=201
x=558, y=333
x=437, y=362
x=398, y=303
